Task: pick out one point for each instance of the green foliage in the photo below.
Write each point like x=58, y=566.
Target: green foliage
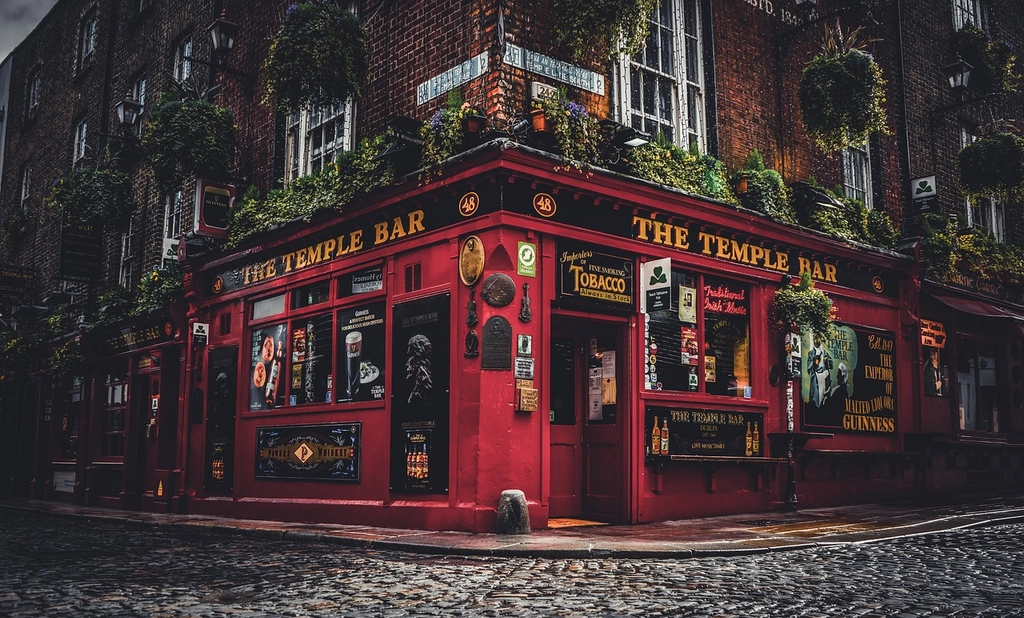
x=186, y=135
x=880, y=231
x=766, y=190
x=600, y=29
x=667, y=164
x=66, y=362
x=993, y=165
x=89, y=195
x=938, y=247
x=994, y=62
x=111, y=306
x=842, y=217
x=338, y=184
x=317, y=58
x=159, y=288
x=804, y=307
x=443, y=134
x=575, y=130
x=842, y=94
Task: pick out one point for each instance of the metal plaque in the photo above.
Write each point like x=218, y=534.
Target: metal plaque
x=497, y=344
x=498, y=290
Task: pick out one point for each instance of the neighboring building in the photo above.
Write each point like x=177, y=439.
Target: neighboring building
x=404, y=360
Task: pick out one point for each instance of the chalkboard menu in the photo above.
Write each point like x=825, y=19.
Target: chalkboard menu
x=681, y=432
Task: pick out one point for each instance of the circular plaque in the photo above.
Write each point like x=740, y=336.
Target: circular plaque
x=471, y=260
x=498, y=290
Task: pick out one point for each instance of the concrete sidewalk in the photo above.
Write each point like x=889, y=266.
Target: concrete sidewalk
x=713, y=536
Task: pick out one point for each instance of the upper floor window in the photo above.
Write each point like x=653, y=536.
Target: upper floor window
x=316, y=137
x=183, y=60
x=26, y=187
x=985, y=214
x=857, y=173
x=138, y=93
x=127, y=275
x=87, y=40
x=35, y=91
x=969, y=13
x=660, y=89
x=81, y=131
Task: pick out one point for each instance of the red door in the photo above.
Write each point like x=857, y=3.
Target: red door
x=588, y=415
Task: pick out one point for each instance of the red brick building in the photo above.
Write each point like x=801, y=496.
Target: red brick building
x=602, y=342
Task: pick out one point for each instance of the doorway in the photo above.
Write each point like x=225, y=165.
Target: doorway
x=589, y=411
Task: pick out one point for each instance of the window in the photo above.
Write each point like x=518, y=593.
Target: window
x=702, y=342
x=309, y=348
x=969, y=13
x=138, y=93
x=35, y=91
x=87, y=40
x=113, y=414
x=317, y=137
x=127, y=275
x=172, y=223
x=985, y=214
x=81, y=131
x=660, y=88
x=183, y=60
x=857, y=173
x=978, y=384
x=26, y=188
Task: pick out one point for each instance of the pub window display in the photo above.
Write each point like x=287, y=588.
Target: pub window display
x=701, y=343
x=308, y=357
x=978, y=384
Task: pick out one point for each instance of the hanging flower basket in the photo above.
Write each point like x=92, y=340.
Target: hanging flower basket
x=317, y=57
x=574, y=130
x=89, y=195
x=842, y=93
x=601, y=29
x=187, y=136
x=803, y=307
x=994, y=65
x=992, y=165
x=445, y=133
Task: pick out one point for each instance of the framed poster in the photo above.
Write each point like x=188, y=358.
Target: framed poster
x=267, y=368
x=420, y=358
x=361, y=345
x=309, y=452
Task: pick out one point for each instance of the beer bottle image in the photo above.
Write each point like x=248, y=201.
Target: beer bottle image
x=749, y=439
x=410, y=456
x=425, y=469
x=275, y=375
x=664, y=436
x=756, y=439
x=655, y=438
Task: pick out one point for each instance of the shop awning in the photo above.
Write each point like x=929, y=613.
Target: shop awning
x=977, y=307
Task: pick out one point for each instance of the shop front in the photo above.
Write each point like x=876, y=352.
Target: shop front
x=972, y=386
x=607, y=347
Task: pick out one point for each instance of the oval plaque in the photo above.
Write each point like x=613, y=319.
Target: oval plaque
x=498, y=290
x=471, y=260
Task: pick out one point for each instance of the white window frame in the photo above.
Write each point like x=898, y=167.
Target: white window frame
x=681, y=29
x=987, y=215
x=81, y=134
x=857, y=173
x=182, y=59
x=306, y=151
x=139, y=94
x=87, y=39
x=35, y=91
x=173, y=221
x=125, y=274
x=26, y=188
x=969, y=12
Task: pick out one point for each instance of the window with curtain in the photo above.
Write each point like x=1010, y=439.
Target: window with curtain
x=857, y=173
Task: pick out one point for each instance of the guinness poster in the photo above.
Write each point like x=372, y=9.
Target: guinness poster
x=849, y=381
x=361, y=353
x=419, y=401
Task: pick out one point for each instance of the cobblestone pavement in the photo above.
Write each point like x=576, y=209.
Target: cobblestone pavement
x=53, y=565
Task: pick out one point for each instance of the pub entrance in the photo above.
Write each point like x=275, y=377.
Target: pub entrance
x=589, y=412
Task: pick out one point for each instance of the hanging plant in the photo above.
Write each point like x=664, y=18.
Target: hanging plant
x=188, y=135
x=444, y=133
x=992, y=165
x=161, y=287
x=938, y=248
x=994, y=65
x=804, y=307
x=601, y=29
x=66, y=362
x=575, y=131
x=842, y=93
x=89, y=195
x=317, y=58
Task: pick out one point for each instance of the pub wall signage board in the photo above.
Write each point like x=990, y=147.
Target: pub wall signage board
x=309, y=452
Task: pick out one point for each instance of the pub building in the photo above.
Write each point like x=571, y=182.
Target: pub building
x=603, y=344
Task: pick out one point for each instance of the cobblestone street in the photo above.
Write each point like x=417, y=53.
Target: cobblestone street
x=54, y=565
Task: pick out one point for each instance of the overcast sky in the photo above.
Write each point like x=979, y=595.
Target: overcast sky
x=17, y=19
